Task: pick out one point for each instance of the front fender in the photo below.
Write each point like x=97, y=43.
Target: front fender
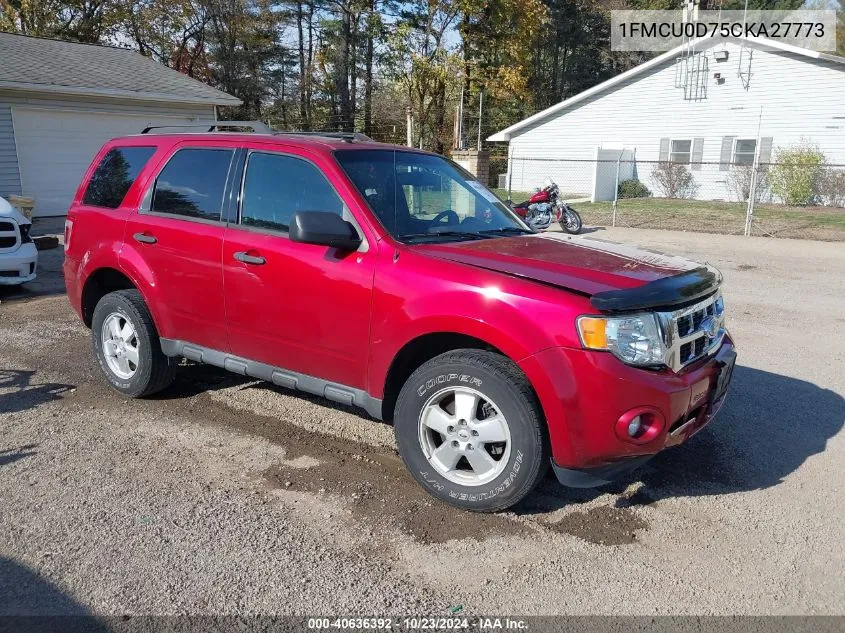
x=416, y=295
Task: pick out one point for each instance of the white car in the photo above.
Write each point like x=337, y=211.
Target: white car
x=18, y=256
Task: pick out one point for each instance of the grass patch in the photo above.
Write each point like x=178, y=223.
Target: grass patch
x=710, y=216
x=516, y=196
x=827, y=223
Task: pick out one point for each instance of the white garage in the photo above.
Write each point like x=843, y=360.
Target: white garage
x=56, y=146
x=60, y=101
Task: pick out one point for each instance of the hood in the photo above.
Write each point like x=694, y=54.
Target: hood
x=8, y=211
x=583, y=264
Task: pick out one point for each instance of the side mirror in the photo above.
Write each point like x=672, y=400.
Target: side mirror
x=326, y=229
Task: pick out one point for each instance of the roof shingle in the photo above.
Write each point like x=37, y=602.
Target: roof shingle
x=32, y=63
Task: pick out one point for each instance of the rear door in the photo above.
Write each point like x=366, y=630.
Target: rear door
x=177, y=234
x=297, y=306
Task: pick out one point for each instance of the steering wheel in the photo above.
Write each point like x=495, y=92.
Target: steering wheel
x=448, y=213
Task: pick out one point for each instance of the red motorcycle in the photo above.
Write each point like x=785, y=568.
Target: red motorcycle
x=546, y=206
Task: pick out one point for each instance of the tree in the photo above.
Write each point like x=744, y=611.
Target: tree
x=244, y=50
x=422, y=62
x=840, y=29
x=174, y=34
x=89, y=21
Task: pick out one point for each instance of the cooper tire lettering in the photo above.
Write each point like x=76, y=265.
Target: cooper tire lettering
x=447, y=378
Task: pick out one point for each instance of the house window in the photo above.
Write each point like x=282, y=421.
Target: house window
x=744, y=151
x=680, y=151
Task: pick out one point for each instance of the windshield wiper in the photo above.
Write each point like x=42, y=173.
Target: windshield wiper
x=507, y=229
x=447, y=233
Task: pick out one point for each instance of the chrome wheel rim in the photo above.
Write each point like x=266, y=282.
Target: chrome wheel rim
x=464, y=436
x=120, y=345
x=570, y=220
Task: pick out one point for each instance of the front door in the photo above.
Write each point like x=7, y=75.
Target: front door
x=178, y=236
x=297, y=306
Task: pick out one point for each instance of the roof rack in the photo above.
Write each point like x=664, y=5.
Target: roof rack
x=349, y=137
x=255, y=126
x=260, y=128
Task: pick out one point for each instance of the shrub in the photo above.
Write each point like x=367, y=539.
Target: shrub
x=830, y=187
x=795, y=175
x=739, y=182
x=674, y=180
x=633, y=188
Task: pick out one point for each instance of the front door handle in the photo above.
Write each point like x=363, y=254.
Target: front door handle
x=144, y=238
x=249, y=259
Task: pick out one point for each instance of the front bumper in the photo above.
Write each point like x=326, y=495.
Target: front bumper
x=18, y=267
x=585, y=393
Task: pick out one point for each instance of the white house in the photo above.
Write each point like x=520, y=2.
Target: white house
x=60, y=101
x=710, y=105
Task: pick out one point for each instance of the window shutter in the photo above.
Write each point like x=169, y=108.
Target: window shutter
x=664, y=150
x=765, y=155
x=727, y=148
x=697, y=152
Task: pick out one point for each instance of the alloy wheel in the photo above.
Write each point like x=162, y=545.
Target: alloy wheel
x=464, y=436
x=120, y=345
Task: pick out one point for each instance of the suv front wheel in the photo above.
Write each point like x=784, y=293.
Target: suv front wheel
x=127, y=345
x=470, y=430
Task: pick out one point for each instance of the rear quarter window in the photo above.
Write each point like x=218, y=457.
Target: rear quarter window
x=115, y=175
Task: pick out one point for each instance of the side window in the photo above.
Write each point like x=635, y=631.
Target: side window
x=115, y=175
x=277, y=186
x=192, y=183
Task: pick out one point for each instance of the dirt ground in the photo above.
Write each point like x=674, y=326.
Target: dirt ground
x=228, y=496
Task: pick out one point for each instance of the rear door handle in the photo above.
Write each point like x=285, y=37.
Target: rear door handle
x=249, y=259
x=144, y=238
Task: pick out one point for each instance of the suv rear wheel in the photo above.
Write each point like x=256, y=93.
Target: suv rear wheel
x=127, y=345
x=470, y=430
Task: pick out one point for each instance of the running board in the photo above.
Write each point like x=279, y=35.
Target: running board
x=286, y=378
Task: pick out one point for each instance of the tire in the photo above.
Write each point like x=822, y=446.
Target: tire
x=147, y=369
x=503, y=392
x=574, y=225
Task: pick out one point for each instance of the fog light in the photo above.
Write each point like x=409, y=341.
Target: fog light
x=640, y=425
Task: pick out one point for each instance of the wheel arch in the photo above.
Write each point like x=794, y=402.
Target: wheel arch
x=423, y=348
x=105, y=279
x=98, y=284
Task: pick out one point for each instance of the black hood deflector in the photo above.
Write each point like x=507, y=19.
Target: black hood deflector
x=672, y=292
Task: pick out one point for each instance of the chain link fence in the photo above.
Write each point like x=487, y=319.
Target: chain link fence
x=799, y=200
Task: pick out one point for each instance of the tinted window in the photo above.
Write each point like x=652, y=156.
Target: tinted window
x=276, y=187
x=115, y=174
x=192, y=183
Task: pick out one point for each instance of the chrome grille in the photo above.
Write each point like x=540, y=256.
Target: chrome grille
x=693, y=332
x=10, y=237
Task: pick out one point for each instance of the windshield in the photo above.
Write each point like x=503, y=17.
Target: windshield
x=421, y=197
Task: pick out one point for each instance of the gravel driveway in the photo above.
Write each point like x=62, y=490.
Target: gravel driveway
x=225, y=495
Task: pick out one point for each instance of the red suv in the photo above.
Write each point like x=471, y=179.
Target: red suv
x=390, y=279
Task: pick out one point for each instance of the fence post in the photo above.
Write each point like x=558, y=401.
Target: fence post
x=616, y=189
x=749, y=210
x=752, y=193
x=510, y=170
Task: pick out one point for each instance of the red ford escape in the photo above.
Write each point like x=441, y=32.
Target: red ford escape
x=390, y=279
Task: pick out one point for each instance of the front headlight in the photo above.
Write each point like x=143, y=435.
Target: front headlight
x=635, y=339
